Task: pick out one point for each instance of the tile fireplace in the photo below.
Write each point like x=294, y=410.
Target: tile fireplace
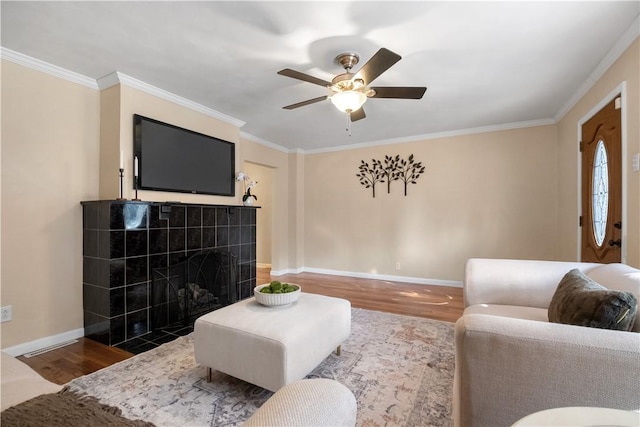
x=129, y=245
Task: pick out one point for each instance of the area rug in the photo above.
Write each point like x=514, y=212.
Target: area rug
x=400, y=369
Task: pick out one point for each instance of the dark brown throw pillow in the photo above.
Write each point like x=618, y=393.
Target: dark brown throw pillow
x=580, y=301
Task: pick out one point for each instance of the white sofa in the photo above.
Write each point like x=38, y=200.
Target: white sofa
x=511, y=361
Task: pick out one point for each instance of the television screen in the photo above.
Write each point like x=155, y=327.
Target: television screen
x=179, y=160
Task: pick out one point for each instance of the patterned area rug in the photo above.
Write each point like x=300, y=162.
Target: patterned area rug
x=400, y=369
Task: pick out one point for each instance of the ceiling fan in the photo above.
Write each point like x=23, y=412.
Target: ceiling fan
x=349, y=91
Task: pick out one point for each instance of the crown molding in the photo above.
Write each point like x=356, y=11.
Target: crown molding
x=45, y=67
x=116, y=77
x=436, y=135
x=628, y=37
x=264, y=142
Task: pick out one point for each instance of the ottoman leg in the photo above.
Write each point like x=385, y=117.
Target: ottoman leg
x=339, y=350
x=209, y=375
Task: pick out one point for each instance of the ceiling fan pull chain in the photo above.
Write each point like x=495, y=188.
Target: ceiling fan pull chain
x=349, y=122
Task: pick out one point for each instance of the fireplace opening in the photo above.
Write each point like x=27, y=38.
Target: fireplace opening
x=188, y=289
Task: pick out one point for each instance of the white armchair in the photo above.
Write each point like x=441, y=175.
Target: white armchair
x=511, y=362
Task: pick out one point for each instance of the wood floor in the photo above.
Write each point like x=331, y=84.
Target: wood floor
x=434, y=302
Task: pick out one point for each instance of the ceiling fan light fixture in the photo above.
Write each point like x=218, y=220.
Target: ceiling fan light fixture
x=349, y=100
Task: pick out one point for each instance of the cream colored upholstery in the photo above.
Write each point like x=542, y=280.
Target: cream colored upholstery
x=511, y=362
x=309, y=402
x=20, y=382
x=272, y=346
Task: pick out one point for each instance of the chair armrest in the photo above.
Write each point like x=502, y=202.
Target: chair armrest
x=527, y=283
x=308, y=402
x=508, y=368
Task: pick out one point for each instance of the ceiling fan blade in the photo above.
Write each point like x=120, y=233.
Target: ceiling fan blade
x=302, y=76
x=307, y=102
x=358, y=114
x=378, y=64
x=399, y=92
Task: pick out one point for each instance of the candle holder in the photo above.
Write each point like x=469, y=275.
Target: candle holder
x=135, y=186
x=121, y=179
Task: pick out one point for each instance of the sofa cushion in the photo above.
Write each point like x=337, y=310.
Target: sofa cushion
x=581, y=301
x=620, y=277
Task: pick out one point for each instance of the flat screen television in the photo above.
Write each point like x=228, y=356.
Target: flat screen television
x=174, y=159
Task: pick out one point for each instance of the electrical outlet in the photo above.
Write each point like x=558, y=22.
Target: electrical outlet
x=6, y=314
x=397, y=265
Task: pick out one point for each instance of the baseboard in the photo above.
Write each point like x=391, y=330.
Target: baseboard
x=262, y=265
x=403, y=279
x=20, y=349
x=287, y=271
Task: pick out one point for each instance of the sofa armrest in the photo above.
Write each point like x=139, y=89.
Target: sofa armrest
x=508, y=368
x=526, y=283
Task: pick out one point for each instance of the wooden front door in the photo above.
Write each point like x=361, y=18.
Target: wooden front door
x=602, y=186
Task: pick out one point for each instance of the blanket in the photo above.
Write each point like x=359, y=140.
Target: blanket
x=66, y=408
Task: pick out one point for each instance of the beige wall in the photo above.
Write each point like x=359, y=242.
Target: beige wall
x=50, y=162
x=263, y=175
x=483, y=195
x=625, y=69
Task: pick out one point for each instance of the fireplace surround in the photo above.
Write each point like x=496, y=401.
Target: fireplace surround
x=127, y=243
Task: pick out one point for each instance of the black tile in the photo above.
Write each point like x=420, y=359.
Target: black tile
x=245, y=272
x=117, y=330
x=158, y=241
x=136, y=243
x=137, y=297
x=136, y=324
x=247, y=216
x=177, y=216
x=116, y=273
x=136, y=270
x=234, y=215
x=222, y=236
x=194, y=238
x=90, y=243
x=90, y=215
x=176, y=257
x=111, y=244
x=245, y=234
x=154, y=218
x=222, y=216
x=234, y=235
x=97, y=328
x=208, y=237
x=137, y=345
x=157, y=261
x=234, y=250
x=208, y=217
x=116, y=216
x=194, y=216
x=95, y=299
x=90, y=270
x=116, y=302
x=247, y=252
x=135, y=216
x=176, y=239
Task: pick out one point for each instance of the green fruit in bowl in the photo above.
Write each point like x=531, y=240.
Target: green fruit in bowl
x=276, y=287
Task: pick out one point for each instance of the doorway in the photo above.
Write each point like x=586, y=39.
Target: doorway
x=601, y=181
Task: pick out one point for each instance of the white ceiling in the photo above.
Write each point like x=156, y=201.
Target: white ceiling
x=485, y=63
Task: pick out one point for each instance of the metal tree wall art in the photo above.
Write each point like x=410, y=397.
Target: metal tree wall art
x=408, y=171
x=370, y=175
x=392, y=169
x=390, y=166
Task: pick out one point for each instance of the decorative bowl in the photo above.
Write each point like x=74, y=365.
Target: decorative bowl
x=276, y=299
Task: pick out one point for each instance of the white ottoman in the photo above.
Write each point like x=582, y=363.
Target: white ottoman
x=272, y=346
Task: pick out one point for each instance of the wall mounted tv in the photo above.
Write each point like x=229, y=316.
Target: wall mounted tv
x=174, y=159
